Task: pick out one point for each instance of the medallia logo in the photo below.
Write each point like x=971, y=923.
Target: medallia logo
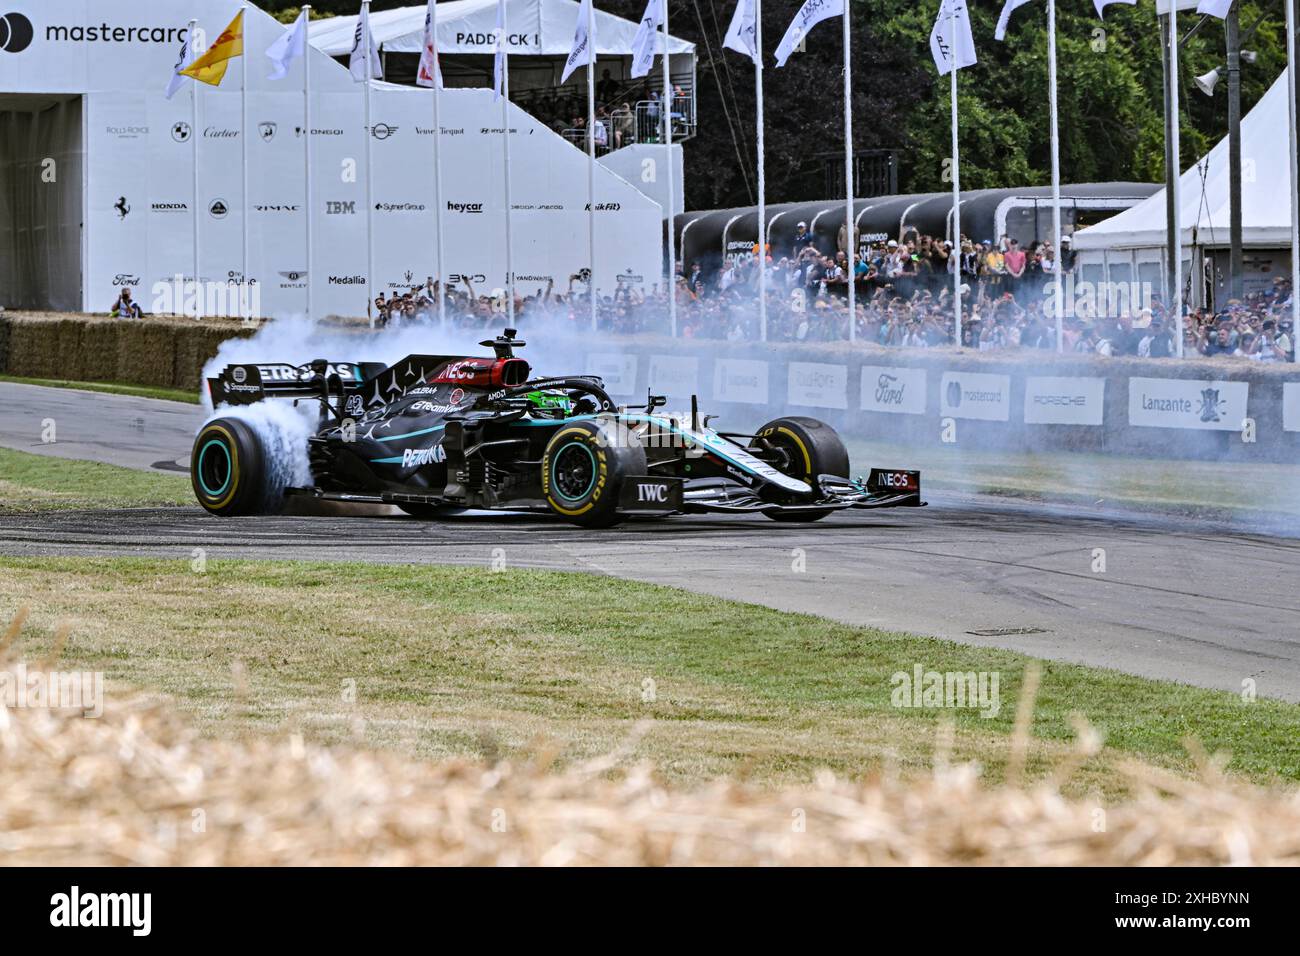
x=15, y=33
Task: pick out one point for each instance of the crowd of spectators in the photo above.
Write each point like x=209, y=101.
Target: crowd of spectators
x=1004, y=309
x=625, y=114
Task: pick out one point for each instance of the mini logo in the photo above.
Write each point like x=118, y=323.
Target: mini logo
x=181, y=132
x=240, y=375
x=267, y=130
x=336, y=208
x=218, y=209
x=1211, y=406
x=123, y=209
x=15, y=33
x=382, y=130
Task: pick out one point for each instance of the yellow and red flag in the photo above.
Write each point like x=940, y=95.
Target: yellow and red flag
x=210, y=68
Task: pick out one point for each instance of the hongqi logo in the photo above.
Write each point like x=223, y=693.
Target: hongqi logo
x=181, y=132
x=122, y=207
x=15, y=33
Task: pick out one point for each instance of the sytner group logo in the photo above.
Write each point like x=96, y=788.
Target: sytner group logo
x=16, y=33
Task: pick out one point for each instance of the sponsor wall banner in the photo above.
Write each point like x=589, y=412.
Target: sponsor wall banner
x=616, y=370
x=889, y=389
x=676, y=376
x=740, y=380
x=818, y=385
x=1186, y=403
x=976, y=395
x=1291, y=406
x=1064, y=400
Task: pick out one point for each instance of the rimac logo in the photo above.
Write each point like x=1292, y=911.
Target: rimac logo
x=15, y=33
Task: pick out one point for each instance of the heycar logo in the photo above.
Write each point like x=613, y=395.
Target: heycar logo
x=467, y=207
x=15, y=33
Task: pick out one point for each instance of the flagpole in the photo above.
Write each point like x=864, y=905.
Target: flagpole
x=762, y=175
x=1295, y=176
x=437, y=173
x=956, y=182
x=243, y=140
x=848, y=176
x=370, y=210
x=1176, y=175
x=194, y=150
x=668, y=152
x=1057, y=303
x=505, y=138
x=591, y=154
x=306, y=135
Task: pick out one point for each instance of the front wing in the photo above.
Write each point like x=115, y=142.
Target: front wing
x=884, y=488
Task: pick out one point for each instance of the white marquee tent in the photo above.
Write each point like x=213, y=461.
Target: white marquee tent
x=93, y=153
x=1132, y=244
x=533, y=27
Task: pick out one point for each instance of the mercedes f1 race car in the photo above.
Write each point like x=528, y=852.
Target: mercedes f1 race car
x=437, y=434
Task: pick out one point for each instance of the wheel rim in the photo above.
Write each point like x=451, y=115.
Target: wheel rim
x=573, y=471
x=213, y=469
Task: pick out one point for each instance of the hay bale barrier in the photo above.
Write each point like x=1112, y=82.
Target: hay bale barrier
x=139, y=786
x=166, y=352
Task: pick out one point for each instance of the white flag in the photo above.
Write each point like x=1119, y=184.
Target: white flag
x=357, y=61
x=1005, y=17
x=1215, y=8
x=643, y=44
x=742, y=35
x=581, y=54
x=177, y=80
x=430, y=71
x=810, y=14
x=949, y=49
x=1101, y=5
x=499, y=60
x=290, y=45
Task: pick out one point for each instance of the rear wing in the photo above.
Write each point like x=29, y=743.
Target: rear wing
x=249, y=383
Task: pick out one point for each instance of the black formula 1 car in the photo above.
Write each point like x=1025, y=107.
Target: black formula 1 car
x=435, y=434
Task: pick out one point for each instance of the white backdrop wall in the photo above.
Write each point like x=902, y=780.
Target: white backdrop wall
x=139, y=198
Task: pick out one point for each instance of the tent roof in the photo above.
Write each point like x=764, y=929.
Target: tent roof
x=536, y=28
x=1204, y=194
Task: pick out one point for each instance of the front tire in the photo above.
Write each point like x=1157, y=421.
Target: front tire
x=230, y=472
x=583, y=469
x=807, y=448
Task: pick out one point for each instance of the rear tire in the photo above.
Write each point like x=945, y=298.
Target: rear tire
x=811, y=448
x=583, y=469
x=230, y=473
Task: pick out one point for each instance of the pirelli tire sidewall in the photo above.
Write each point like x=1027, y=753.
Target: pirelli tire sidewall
x=583, y=468
x=813, y=448
x=229, y=470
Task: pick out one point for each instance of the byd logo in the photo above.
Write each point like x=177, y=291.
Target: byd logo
x=15, y=33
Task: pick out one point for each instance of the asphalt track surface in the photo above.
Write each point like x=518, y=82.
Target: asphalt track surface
x=1200, y=604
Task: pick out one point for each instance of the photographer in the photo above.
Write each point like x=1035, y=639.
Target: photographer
x=125, y=307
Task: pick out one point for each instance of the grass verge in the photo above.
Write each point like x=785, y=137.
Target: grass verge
x=442, y=662
x=31, y=483
x=112, y=388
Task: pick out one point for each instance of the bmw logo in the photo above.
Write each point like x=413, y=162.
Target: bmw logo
x=181, y=132
x=15, y=33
